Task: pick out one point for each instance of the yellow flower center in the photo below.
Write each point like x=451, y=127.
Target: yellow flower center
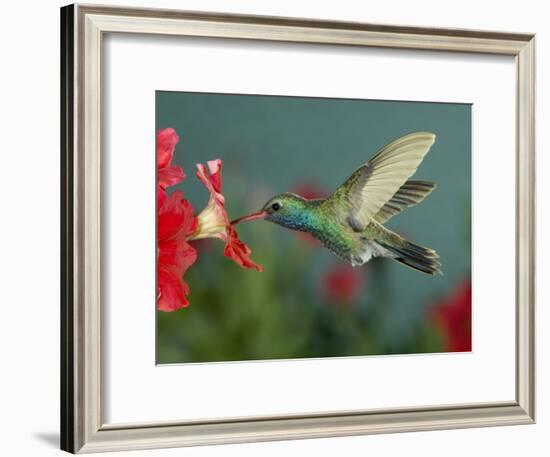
x=211, y=222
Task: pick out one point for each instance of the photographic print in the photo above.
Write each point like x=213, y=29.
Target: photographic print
x=313, y=209
x=300, y=227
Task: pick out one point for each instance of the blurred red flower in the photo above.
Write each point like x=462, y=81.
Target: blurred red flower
x=213, y=221
x=167, y=174
x=310, y=191
x=175, y=222
x=453, y=315
x=342, y=284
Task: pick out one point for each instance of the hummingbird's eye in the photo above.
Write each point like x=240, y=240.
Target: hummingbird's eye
x=276, y=206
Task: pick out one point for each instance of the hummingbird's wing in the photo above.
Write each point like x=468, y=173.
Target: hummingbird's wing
x=372, y=185
x=409, y=194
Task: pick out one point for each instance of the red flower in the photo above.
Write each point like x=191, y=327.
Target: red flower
x=167, y=174
x=453, y=315
x=310, y=190
x=342, y=284
x=238, y=251
x=177, y=225
x=213, y=221
x=175, y=222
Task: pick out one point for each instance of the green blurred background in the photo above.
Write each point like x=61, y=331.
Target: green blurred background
x=308, y=303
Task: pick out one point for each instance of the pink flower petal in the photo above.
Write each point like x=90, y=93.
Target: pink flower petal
x=215, y=168
x=166, y=144
x=212, y=179
x=170, y=176
x=238, y=251
x=172, y=291
x=235, y=249
x=167, y=174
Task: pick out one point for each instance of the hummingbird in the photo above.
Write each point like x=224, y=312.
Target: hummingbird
x=350, y=223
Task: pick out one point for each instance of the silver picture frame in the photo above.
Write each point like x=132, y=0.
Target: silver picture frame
x=82, y=426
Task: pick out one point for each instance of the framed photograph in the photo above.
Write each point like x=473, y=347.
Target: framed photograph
x=278, y=228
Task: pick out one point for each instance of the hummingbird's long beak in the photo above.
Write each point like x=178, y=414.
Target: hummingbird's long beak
x=251, y=217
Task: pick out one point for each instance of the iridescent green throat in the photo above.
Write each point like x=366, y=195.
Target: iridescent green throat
x=305, y=216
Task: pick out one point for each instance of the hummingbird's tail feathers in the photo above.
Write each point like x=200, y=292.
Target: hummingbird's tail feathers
x=409, y=194
x=416, y=257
